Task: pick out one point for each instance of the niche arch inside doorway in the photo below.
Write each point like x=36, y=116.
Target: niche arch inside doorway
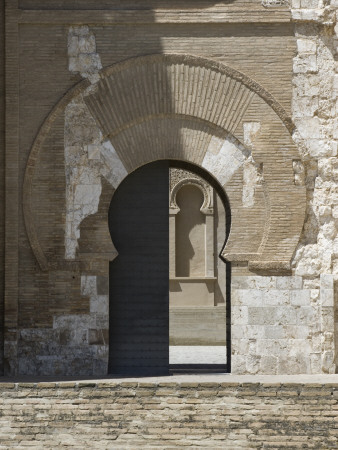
x=139, y=275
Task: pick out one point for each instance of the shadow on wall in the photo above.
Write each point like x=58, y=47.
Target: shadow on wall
x=190, y=233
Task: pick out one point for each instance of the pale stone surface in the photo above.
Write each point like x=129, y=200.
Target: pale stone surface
x=225, y=159
x=314, y=113
x=197, y=354
x=88, y=156
x=276, y=326
x=82, y=54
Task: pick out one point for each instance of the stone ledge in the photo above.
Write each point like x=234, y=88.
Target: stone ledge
x=258, y=383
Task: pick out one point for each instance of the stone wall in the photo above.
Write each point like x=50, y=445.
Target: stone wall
x=168, y=414
x=314, y=110
x=279, y=324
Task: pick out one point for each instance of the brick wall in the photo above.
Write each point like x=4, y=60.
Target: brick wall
x=128, y=414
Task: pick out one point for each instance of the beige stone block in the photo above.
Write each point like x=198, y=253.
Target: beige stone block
x=239, y=315
x=275, y=297
x=309, y=128
x=252, y=297
x=297, y=331
x=306, y=46
x=275, y=332
x=327, y=297
x=305, y=63
x=238, y=331
x=268, y=365
x=254, y=332
x=327, y=319
x=304, y=106
x=293, y=365
x=300, y=297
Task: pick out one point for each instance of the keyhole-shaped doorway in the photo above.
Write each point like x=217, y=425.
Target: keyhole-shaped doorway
x=168, y=286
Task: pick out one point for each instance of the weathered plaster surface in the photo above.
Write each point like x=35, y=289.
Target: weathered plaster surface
x=88, y=156
x=77, y=344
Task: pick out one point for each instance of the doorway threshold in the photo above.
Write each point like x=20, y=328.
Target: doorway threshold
x=180, y=369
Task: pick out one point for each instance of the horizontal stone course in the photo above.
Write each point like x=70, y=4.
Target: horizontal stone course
x=168, y=414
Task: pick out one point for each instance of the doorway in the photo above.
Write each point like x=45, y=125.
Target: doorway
x=162, y=299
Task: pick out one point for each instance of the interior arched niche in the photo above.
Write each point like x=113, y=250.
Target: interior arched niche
x=190, y=232
x=144, y=113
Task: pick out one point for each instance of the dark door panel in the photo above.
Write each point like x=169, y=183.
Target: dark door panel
x=139, y=283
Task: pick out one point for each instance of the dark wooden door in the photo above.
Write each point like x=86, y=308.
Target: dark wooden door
x=139, y=281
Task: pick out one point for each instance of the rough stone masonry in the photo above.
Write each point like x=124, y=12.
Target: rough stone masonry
x=182, y=413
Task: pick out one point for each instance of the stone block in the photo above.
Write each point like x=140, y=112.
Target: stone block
x=309, y=127
x=306, y=46
x=87, y=44
x=275, y=332
x=297, y=331
x=99, y=304
x=94, y=152
x=73, y=64
x=254, y=332
x=248, y=297
x=88, y=285
x=293, y=365
x=74, y=321
x=315, y=363
x=305, y=315
x=98, y=337
x=238, y=331
x=73, y=46
x=262, y=315
x=335, y=85
x=102, y=285
x=239, y=315
x=305, y=63
x=238, y=364
x=275, y=297
x=272, y=347
x=268, y=365
x=327, y=319
x=327, y=297
x=87, y=194
x=294, y=282
x=301, y=297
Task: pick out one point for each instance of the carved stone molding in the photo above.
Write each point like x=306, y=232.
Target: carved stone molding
x=179, y=178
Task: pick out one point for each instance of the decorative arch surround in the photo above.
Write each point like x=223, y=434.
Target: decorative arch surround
x=207, y=205
x=172, y=107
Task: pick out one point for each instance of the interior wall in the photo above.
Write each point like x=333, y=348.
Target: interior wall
x=190, y=233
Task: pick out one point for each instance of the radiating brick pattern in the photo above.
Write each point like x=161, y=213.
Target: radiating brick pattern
x=164, y=414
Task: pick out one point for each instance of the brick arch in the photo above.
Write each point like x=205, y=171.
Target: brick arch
x=191, y=109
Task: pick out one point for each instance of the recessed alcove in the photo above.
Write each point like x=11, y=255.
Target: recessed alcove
x=197, y=306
